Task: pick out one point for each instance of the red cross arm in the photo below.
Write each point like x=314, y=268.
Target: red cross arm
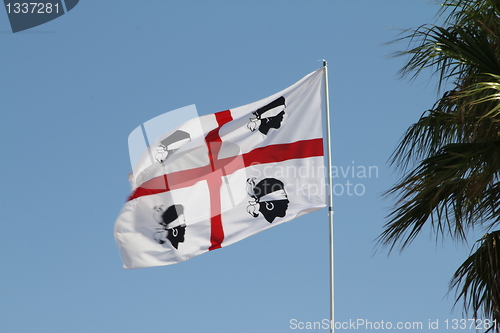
x=262, y=155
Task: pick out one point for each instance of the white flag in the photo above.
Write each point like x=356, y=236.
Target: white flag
x=217, y=179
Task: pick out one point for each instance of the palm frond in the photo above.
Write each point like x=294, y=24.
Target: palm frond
x=455, y=189
x=452, y=52
x=477, y=280
x=451, y=156
x=472, y=115
x=467, y=12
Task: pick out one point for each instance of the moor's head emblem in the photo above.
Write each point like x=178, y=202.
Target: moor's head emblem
x=269, y=198
x=170, y=144
x=172, y=225
x=268, y=116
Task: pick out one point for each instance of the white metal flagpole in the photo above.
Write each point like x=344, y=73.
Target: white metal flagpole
x=330, y=198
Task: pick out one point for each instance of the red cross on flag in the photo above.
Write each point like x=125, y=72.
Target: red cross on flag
x=219, y=178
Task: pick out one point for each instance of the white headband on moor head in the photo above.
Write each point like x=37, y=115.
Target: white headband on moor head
x=276, y=195
x=178, y=222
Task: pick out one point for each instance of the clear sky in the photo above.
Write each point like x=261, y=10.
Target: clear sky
x=73, y=89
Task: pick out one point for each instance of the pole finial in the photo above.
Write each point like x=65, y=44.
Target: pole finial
x=325, y=64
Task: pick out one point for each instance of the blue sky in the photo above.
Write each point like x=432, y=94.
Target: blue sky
x=74, y=88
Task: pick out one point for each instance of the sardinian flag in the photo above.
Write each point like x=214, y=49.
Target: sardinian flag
x=219, y=178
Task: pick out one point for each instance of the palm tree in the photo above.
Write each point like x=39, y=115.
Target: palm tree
x=450, y=158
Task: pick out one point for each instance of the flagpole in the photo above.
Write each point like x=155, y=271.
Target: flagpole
x=330, y=198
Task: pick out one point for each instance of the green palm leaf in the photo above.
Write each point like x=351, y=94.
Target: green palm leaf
x=477, y=279
x=450, y=157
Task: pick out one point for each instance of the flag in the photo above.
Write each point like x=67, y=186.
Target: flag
x=217, y=179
